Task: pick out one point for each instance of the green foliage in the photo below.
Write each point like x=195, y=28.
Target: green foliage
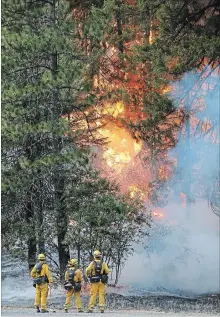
x=43, y=77
x=46, y=179
x=101, y=218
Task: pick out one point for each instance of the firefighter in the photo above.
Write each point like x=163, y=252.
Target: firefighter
x=73, y=280
x=97, y=272
x=41, y=277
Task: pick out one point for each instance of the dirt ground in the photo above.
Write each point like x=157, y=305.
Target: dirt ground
x=123, y=313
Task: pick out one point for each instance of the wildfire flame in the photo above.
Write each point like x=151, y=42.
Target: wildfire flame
x=113, y=159
x=135, y=191
x=158, y=214
x=121, y=152
x=121, y=148
x=166, y=90
x=114, y=110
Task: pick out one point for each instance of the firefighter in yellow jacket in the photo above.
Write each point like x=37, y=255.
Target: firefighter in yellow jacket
x=73, y=280
x=97, y=271
x=41, y=277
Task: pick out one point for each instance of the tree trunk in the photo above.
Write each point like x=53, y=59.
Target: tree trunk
x=31, y=242
x=117, y=268
x=78, y=253
x=62, y=223
x=63, y=249
x=117, y=272
x=40, y=229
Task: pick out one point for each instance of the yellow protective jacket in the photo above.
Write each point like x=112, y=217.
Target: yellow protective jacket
x=44, y=272
x=77, y=277
x=90, y=270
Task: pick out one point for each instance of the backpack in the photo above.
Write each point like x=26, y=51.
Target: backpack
x=98, y=267
x=40, y=279
x=71, y=284
x=39, y=267
x=98, y=276
x=71, y=274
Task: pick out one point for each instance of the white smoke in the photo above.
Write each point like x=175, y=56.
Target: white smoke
x=183, y=251
x=181, y=256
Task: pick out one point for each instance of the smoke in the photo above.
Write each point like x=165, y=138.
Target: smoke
x=197, y=151
x=182, y=255
x=182, y=252
x=16, y=282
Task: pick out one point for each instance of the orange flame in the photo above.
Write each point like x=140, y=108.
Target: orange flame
x=135, y=191
x=114, y=110
x=121, y=148
x=158, y=214
x=166, y=90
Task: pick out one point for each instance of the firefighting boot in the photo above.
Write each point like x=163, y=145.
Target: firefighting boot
x=44, y=311
x=38, y=309
x=66, y=310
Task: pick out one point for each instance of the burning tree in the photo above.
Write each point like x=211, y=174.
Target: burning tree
x=136, y=50
x=186, y=37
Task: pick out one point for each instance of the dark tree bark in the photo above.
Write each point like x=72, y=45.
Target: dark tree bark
x=63, y=249
x=40, y=229
x=62, y=223
x=32, y=242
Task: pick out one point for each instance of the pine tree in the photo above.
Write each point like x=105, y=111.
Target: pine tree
x=46, y=117
x=42, y=82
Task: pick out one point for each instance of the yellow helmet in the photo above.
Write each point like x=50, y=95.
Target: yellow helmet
x=41, y=257
x=97, y=254
x=73, y=262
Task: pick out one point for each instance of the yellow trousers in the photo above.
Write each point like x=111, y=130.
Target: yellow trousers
x=69, y=295
x=95, y=289
x=41, y=296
